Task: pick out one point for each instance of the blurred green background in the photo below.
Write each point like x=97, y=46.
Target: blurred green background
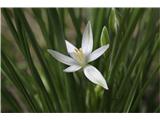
x=32, y=81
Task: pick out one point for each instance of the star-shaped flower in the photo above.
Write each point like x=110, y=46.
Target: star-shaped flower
x=79, y=58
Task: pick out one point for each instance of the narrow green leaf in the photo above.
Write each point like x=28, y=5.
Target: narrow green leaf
x=41, y=57
x=98, y=25
x=13, y=73
x=9, y=98
x=28, y=57
x=76, y=25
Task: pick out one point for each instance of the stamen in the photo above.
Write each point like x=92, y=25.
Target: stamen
x=79, y=56
x=80, y=49
x=76, y=50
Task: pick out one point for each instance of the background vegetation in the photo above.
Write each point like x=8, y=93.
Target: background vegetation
x=32, y=81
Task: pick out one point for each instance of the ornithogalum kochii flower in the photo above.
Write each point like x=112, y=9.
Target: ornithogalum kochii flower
x=79, y=58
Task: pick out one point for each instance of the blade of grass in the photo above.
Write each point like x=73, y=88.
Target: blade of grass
x=48, y=103
x=61, y=47
x=132, y=92
x=9, y=98
x=134, y=18
x=136, y=57
x=138, y=14
x=11, y=72
x=76, y=24
x=41, y=57
x=11, y=26
x=38, y=17
x=98, y=25
x=148, y=81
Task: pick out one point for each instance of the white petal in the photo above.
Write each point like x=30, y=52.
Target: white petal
x=95, y=76
x=72, y=68
x=97, y=53
x=87, y=39
x=70, y=47
x=62, y=58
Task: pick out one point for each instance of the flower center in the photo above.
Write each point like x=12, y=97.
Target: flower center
x=80, y=57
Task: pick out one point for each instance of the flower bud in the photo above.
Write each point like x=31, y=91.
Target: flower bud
x=113, y=21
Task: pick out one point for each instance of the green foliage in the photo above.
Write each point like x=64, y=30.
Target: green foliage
x=32, y=81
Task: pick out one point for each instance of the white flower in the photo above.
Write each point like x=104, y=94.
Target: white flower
x=79, y=58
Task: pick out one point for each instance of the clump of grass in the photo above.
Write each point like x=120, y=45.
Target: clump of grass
x=32, y=81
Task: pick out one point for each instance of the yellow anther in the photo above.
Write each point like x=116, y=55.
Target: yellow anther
x=76, y=50
x=79, y=56
x=80, y=49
